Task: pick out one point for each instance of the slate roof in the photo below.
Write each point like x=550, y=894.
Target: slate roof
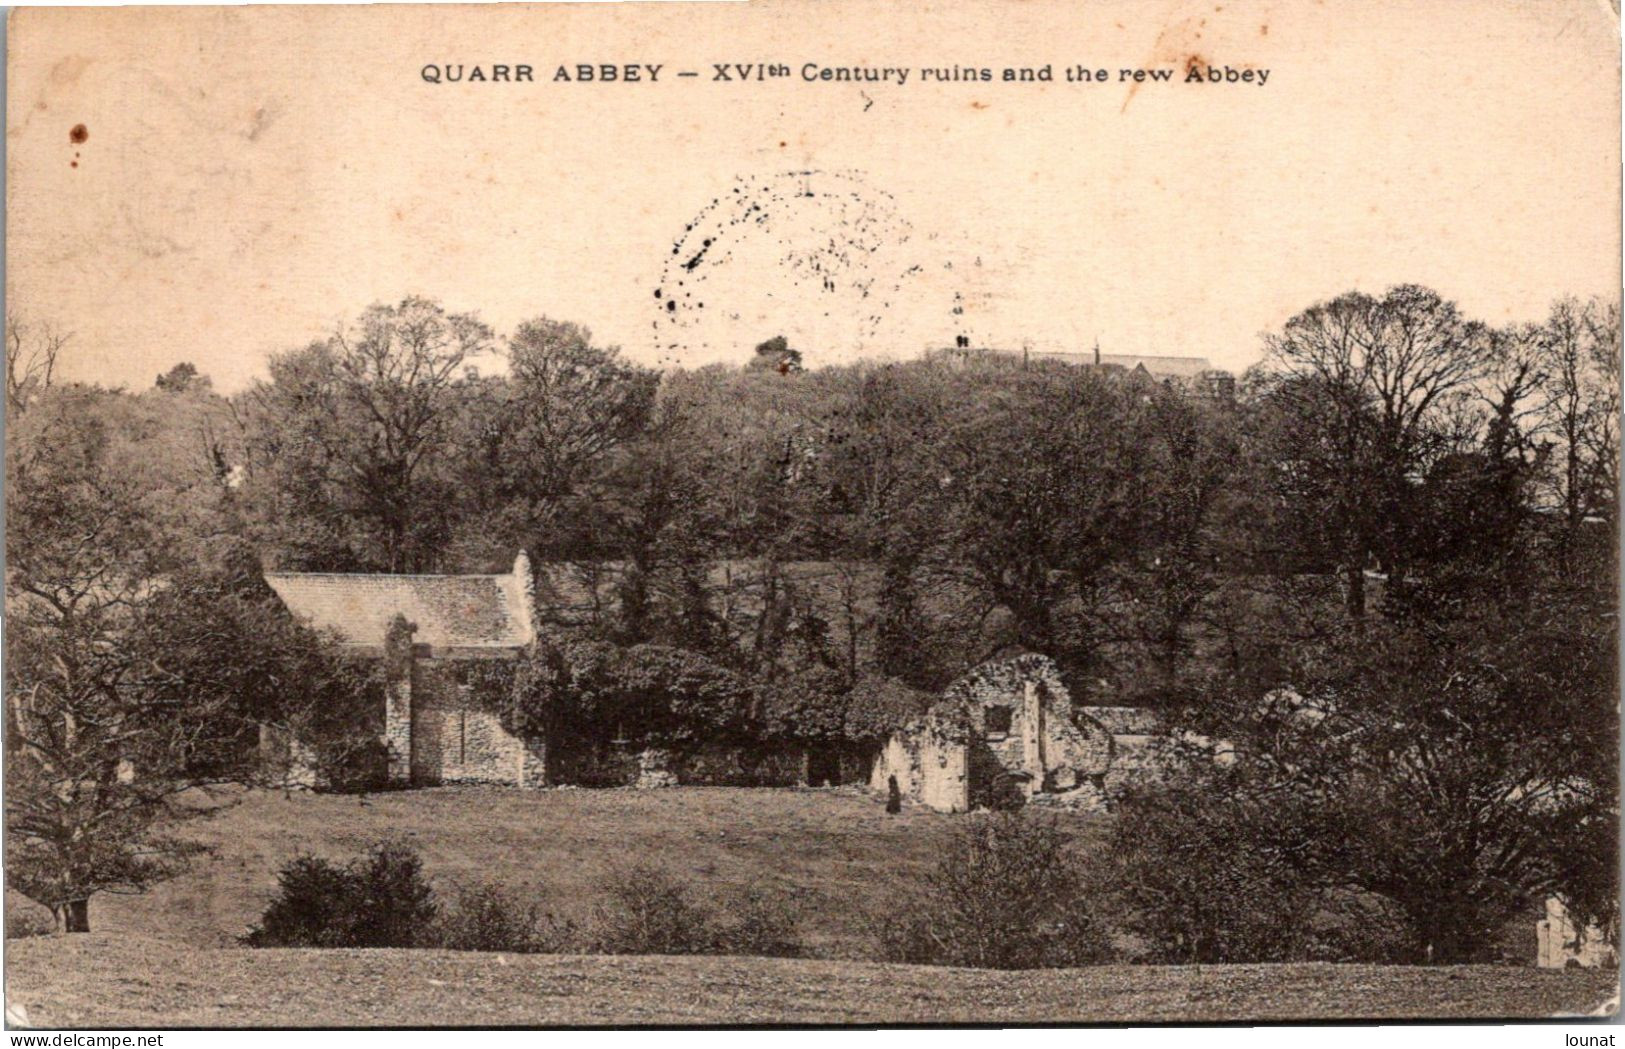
x=1183, y=367
x=1177, y=367
x=451, y=611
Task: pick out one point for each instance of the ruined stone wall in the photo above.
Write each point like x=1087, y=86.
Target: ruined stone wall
x=931, y=768
x=1008, y=731
x=287, y=762
x=588, y=763
x=944, y=782
x=896, y=760
x=1560, y=945
x=577, y=762
x=456, y=740
x=764, y=765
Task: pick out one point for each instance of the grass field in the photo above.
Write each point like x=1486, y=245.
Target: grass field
x=102, y=979
x=835, y=854
x=169, y=958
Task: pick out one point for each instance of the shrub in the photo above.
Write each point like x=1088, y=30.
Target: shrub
x=646, y=911
x=377, y=900
x=1007, y=894
x=599, y=689
x=879, y=706
x=486, y=918
x=398, y=905
x=766, y=927
x=806, y=704
x=1197, y=880
x=24, y=921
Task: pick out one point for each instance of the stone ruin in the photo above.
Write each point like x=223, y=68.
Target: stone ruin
x=1004, y=735
x=1561, y=945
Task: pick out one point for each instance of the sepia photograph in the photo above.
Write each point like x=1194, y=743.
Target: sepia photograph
x=812, y=513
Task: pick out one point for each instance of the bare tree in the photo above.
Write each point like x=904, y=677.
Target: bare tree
x=32, y=352
x=1579, y=412
x=1368, y=390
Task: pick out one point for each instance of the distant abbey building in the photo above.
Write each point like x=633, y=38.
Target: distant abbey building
x=1192, y=373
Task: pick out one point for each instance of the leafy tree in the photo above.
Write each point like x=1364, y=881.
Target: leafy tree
x=1173, y=568
x=1042, y=498
x=1205, y=868
x=809, y=705
x=1441, y=770
x=142, y=644
x=776, y=355
x=569, y=405
x=647, y=511
x=347, y=442
x=877, y=707
x=180, y=378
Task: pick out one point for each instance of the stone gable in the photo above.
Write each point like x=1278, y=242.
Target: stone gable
x=450, y=612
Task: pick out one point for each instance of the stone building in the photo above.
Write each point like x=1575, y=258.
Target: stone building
x=434, y=730
x=433, y=631
x=1004, y=734
x=1560, y=945
x=1195, y=374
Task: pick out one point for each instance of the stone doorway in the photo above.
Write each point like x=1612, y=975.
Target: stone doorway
x=823, y=767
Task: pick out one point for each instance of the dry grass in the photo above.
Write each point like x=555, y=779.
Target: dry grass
x=103, y=980
x=833, y=853
x=168, y=958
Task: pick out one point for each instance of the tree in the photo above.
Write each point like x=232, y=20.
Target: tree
x=180, y=378
x=570, y=405
x=1008, y=893
x=347, y=442
x=1205, y=869
x=1365, y=393
x=141, y=646
x=32, y=353
x=1578, y=411
x=1041, y=499
x=884, y=497
x=1444, y=770
x=647, y=510
x=1190, y=449
x=776, y=355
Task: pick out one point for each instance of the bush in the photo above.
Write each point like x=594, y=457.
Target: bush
x=377, y=900
x=1199, y=886
x=25, y=921
x=1007, y=894
x=488, y=919
x=766, y=928
x=599, y=689
x=646, y=911
x=879, y=706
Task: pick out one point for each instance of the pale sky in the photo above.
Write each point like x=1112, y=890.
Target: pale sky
x=249, y=177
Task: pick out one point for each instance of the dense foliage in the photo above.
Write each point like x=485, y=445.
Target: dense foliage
x=378, y=900
x=1403, y=517
x=1008, y=893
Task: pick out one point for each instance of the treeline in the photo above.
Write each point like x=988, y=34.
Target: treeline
x=1398, y=505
